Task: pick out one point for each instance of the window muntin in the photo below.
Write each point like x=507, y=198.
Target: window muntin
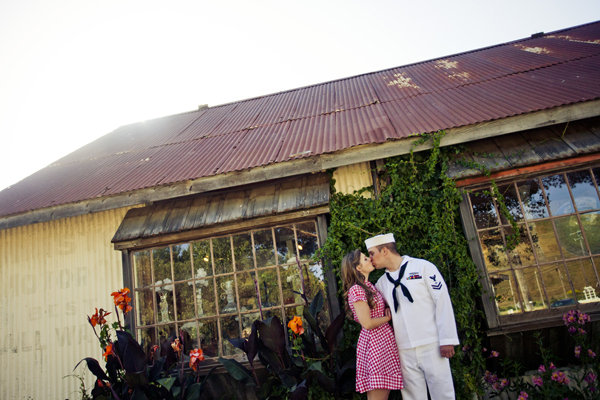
x=211, y=288
x=556, y=262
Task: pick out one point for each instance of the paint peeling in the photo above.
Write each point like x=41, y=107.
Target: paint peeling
x=464, y=76
x=446, y=64
x=402, y=81
x=572, y=39
x=535, y=50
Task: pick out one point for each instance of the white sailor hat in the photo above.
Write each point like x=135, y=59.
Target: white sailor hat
x=379, y=239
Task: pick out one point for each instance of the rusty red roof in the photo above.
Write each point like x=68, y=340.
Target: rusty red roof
x=537, y=73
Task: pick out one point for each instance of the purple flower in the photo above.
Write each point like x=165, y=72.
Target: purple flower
x=591, y=377
x=581, y=331
x=560, y=377
x=552, y=366
x=583, y=318
x=577, y=351
x=591, y=353
x=542, y=369
x=494, y=354
x=537, y=381
x=572, y=330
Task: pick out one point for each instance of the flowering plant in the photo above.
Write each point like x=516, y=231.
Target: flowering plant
x=129, y=372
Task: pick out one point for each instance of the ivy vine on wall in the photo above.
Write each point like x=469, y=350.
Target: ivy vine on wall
x=419, y=203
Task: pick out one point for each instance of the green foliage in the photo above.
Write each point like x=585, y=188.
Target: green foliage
x=419, y=203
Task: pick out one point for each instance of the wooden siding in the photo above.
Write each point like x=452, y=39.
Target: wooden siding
x=52, y=275
x=353, y=177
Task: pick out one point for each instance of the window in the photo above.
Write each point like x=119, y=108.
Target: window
x=557, y=260
x=214, y=288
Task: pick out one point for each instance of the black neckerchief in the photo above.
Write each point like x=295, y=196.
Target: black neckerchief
x=397, y=282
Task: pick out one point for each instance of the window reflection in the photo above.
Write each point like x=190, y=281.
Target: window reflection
x=483, y=210
x=533, y=199
x=511, y=201
x=584, y=192
x=494, y=250
x=505, y=293
x=591, y=227
x=531, y=289
x=558, y=195
x=570, y=237
x=544, y=241
x=557, y=285
x=584, y=280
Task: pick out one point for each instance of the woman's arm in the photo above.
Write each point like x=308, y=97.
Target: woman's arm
x=363, y=313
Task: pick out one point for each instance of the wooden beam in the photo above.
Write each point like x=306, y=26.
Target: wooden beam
x=319, y=163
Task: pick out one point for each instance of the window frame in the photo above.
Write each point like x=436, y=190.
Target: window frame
x=551, y=316
x=294, y=218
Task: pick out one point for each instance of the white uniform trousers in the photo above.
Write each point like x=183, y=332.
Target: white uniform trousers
x=425, y=364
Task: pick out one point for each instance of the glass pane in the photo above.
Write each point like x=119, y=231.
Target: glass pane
x=493, y=250
x=185, y=301
x=162, y=264
x=269, y=287
x=226, y=293
x=307, y=240
x=314, y=279
x=263, y=246
x=202, y=263
x=584, y=192
x=544, y=241
x=164, y=303
x=591, y=228
x=505, y=293
x=247, y=290
x=190, y=336
x=247, y=321
x=531, y=288
x=512, y=203
x=558, y=195
x=166, y=331
x=144, y=307
x=205, y=297
x=584, y=279
x=284, y=237
x=596, y=172
x=222, y=255
x=569, y=236
x=483, y=210
x=141, y=265
x=230, y=330
x=209, y=337
x=147, y=338
x=242, y=248
x=290, y=283
x=532, y=197
x=181, y=262
x=522, y=254
x=557, y=285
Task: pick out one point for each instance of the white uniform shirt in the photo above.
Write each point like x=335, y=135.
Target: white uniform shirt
x=430, y=318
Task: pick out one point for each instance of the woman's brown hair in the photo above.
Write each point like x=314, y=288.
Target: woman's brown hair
x=351, y=276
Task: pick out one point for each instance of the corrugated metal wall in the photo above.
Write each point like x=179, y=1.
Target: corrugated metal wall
x=353, y=177
x=52, y=275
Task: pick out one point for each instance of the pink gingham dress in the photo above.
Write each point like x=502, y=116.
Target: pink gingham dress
x=377, y=360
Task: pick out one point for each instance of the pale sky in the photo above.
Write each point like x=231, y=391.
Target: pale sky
x=72, y=71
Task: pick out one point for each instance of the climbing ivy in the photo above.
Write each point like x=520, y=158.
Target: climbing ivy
x=419, y=203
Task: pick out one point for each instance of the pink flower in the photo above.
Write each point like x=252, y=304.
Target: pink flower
x=577, y=351
x=581, y=331
x=591, y=377
x=552, y=366
x=572, y=330
x=560, y=377
x=537, y=381
x=494, y=354
x=523, y=396
x=542, y=369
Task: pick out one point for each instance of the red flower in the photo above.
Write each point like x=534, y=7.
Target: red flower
x=108, y=351
x=296, y=325
x=122, y=300
x=196, y=356
x=176, y=346
x=98, y=317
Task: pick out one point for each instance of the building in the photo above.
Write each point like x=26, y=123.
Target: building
x=220, y=203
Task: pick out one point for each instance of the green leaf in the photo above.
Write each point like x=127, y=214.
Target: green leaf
x=317, y=304
x=167, y=382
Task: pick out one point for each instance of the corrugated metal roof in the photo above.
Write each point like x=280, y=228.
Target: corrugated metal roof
x=510, y=79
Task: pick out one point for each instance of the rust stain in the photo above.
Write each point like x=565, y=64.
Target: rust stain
x=535, y=50
x=572, y=39
x=446, y=64
x=402, y=81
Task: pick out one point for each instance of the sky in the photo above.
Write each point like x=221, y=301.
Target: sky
x=72, y=71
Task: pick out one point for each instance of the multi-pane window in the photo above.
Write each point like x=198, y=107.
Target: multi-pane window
x=557, y=259
x=214, y=288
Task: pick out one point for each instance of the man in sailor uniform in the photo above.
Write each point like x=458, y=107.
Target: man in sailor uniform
x=422, y=317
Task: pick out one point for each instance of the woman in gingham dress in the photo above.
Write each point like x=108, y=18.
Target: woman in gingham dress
x=377, y=362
